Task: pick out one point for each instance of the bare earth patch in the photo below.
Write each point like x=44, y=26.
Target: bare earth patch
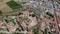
x=4, y=7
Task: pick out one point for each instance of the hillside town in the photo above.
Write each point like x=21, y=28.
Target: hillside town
x=29, y=16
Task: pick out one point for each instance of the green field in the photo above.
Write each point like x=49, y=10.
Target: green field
x=14, y=5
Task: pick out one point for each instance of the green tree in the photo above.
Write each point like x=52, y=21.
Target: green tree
x=45, y=31
x=1, y=12
x=51, y=15
x=36, y=30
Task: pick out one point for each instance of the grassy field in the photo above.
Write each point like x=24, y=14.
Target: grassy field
x=14, y=5
x=8, y=8
x=4, y=7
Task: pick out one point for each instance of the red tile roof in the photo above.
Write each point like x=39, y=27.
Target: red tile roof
x=10, y=27
x=51, y=20
x=1, y=23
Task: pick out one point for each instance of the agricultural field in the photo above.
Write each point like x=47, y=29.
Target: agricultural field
x=4, y=7
x=14, y=5
x=9, y=6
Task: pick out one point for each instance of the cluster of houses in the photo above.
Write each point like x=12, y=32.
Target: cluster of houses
x=24, y=20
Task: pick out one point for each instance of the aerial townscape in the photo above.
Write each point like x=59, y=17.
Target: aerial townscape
x=29, y=16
